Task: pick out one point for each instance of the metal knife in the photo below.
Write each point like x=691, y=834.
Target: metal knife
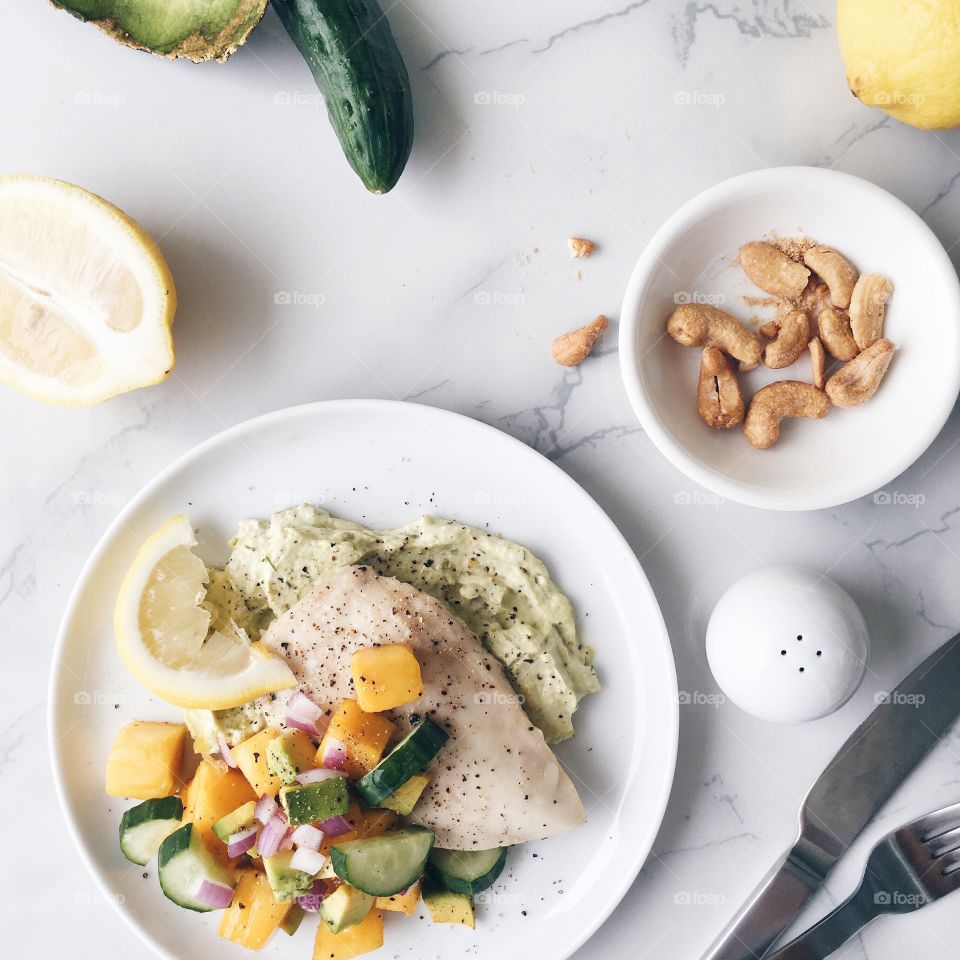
x=875, y=760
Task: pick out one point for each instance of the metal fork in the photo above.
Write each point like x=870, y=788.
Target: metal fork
x=906, y=870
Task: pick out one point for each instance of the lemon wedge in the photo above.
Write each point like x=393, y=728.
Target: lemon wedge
x=86, y=298
x=174, y=643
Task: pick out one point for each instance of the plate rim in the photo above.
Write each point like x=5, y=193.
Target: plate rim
x=649, y=834
x=712, y=479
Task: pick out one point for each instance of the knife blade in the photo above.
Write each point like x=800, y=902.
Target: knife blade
x=876, y=758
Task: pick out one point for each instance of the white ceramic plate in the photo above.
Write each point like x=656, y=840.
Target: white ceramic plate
x=816, y=463
x=384, y=464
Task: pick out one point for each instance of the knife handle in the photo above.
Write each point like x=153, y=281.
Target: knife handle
x=767, y=912
x=835, y=929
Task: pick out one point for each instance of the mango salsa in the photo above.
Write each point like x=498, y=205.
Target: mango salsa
x=352, y=942
x=363, y=736
x=386, y=677
x=144, y=760
x=210, y=795
x=254, y=914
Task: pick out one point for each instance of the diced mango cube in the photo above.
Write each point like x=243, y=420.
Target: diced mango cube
x=144, y=760
x=352, y=942
x=386, y=677
x=254, y=913
x=251, y=757
x=363, y=736
x=211, y=794
x=376, y=822
x=401, y=902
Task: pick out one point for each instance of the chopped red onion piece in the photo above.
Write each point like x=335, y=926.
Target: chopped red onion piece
x=334, y=754
x=287, y=842
x=320, y=773
x=271, y=836
x=241, y=841
x=302, y=713
x=310, y=902
x=266, y=808
x=309, y=861
x=335, y=826
x=213, y=894
x=225, y=751
x=307, y=837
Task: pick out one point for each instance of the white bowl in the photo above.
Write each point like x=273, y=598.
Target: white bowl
x=815, y=464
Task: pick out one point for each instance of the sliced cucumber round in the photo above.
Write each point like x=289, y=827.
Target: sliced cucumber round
x=384, y=865
x=144, y=827
x=183, y=863
x=466, y=871
x=408, y=758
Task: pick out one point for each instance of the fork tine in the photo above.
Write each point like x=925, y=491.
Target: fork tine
x=937, y=823
x=948, y=866
x=944, y=843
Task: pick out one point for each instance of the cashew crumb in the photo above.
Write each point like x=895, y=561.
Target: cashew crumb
x=580, y=248
x=574, y=347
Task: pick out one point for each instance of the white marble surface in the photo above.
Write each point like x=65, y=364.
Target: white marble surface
x=535, y=121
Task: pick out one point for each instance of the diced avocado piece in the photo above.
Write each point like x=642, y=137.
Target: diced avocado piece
x=241, y=818
x=293, y=919
x=280, y=760
x=315, y=801
x=286, y=883
x=403, y=801
x=234, y=724
x=345, y=907
x=445, y=906
x=197, y=29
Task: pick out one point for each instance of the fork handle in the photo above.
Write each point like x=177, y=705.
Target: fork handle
x=835, y=929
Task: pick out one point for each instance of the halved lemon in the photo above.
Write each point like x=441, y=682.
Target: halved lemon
x=86, y=298
x=174, y=644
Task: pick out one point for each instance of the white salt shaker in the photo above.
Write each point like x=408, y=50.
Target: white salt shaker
x=787, y=644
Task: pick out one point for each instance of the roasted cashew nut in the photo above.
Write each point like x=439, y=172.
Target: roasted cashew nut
x=776, y=401
x=699, y=325
x=792, y=340
x=719, y=399
x=835, y=333
x=772, y=270
x=839, y=274
x=867, y=308
x=857, y=381
x=818, y=362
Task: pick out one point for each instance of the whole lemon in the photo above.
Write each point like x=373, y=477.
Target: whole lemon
x=903, y=56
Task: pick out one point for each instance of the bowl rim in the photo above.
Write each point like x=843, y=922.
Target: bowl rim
x=715, y=480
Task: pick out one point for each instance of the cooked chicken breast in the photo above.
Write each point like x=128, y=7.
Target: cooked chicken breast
x=496, y=782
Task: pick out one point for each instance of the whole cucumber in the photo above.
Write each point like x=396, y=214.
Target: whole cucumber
x=355, y=61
